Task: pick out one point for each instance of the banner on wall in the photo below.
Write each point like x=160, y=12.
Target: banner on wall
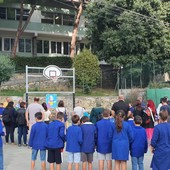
x=51, y=101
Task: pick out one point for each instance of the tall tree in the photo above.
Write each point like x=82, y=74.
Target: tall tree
x=119, y=35
x=79, y=11
x=22, y=25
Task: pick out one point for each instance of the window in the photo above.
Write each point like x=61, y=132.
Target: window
x=11, y=13
x=25, y=14
x=39, y=46
x=58, y=19
x=24, y=45
x=66, y=48
x=58, y=47
x=47, y=18
x=21, y=45
x=46, y=47
x=0, y=44
x=53, y=47
x=2, y=13
x=28, y=45
x=8, y=44
x=68, y=19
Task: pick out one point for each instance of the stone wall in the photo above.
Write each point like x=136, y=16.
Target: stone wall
x=87, y=102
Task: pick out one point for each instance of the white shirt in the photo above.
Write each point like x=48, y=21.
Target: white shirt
x=78, y=110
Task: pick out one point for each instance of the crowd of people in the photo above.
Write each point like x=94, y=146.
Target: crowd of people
x=114, y=133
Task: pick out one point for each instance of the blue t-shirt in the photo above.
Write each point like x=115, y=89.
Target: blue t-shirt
x=1, y=110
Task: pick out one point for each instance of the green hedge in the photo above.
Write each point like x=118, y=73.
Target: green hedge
x=21, y=62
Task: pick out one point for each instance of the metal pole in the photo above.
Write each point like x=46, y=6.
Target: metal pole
x=73, y=88
x=26, y=79
x=26, y=99
x=73, y=101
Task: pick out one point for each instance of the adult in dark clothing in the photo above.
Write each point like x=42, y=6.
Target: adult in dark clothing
x=11, y=123
x=139, y=111
x=22, y=124
x=121, y=105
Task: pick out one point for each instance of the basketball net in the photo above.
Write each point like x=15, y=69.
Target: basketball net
x=54, y=79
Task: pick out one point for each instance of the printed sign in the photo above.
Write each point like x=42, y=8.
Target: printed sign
x=51, y=101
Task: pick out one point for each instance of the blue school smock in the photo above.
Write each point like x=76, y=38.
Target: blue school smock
x=55, y=135
x=121, y=141
x=74, y=139
x=161, y=142
x=38, y=136
x=139, y=145
x=1, y=134
x=131, y=122
x=89, y=137
x=104, y=144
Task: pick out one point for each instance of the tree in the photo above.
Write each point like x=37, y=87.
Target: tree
x=87, y=69
x=119, y=35
x=79, y=11
x=134, y=33
x=21, y=26
x=7, y=68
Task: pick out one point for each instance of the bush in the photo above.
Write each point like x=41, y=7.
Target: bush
x=87, y=70
x=7, y=68
x=21, y=62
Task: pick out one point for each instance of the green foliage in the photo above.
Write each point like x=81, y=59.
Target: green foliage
x=87, y=70
x=158, y=85
x=125, y=31
x=21, y=62
x=7, y=68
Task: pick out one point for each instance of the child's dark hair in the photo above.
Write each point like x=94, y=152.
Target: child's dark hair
x=37, y=99
x=44, y=105
x=163, y=115
x=22, y=104
x=60, y=115
x=75, y=119
x=61, y=103
x=138, y=120
x=84, y=119
x=120, y=114
x=38, y=115
x=106, y=113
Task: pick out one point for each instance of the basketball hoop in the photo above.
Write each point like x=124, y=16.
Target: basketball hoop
x=52, y=72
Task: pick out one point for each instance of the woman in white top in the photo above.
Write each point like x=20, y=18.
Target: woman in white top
x=47, y=113
x=61, y=108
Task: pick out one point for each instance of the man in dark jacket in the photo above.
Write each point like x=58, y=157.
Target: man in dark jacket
x=121, y=105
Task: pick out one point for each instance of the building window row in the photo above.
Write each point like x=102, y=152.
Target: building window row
x=57, y=18
x=47, y=17
x=52, y=47
x=13, y=13
x=42, y=46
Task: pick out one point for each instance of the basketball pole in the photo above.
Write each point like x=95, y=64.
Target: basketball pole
x=26, y=77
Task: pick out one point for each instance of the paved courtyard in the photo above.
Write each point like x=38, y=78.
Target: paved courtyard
x=18, y=158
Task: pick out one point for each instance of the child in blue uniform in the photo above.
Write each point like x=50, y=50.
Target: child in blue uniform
x=160, y=144
x=55, y=140
x=37, y=140
x=104, y=145
x=74, y=141
x=139, y=145
x=89, y=140
x=121, y=135
x=1, y=146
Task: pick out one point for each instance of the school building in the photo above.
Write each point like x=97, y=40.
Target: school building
x=48, y=33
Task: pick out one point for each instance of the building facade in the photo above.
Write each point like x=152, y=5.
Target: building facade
x=48, y=33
